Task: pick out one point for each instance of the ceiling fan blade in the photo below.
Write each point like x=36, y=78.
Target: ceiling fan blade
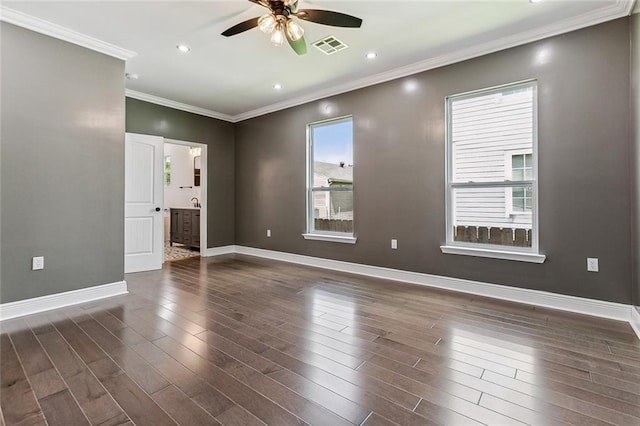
x=327, y=17
x=299, y=46
x=241, y=27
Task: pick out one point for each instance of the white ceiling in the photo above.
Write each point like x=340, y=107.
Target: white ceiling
x=232, y=78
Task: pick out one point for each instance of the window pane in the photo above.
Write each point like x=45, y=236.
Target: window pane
x=517, y=161
x=522, y=199
x=167, y=170
x=491, y=140
x=332, y=168
x=517, y=174
x=518, y=204
x=479, y=217
x=527, y=205
x=484, y=128
x=332, y=153
x=333, y=210
x=528, y=174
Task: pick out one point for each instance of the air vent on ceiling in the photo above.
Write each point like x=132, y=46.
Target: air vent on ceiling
x=330, y=45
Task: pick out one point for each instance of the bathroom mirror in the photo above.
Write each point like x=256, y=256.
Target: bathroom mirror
x=196, y=170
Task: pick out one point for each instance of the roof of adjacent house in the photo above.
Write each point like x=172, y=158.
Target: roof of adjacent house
x=334, y=172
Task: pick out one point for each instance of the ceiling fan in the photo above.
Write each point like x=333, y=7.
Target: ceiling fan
x=280, y=24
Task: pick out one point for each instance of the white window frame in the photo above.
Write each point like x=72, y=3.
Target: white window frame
x=311, y=233
x=524, y=254
x=508, y=175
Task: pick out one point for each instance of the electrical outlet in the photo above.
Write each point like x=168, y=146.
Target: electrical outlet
x=37, y=263
x=268, y=233
x=592, y=264
x=394, y=244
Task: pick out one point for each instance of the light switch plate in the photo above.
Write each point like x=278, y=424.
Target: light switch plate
x=268, y=233
x=592, y=264
x=394, y=244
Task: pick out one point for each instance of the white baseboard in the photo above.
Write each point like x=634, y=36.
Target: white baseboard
x=60, y=300
x=635, y=320
x=218, y=251
x=597, y=308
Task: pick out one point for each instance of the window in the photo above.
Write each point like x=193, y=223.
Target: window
x=330, y=187
x=491, y=173
x=167, y=170
x=520, y=167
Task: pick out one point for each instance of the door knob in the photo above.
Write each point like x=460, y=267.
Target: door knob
x=158, y=209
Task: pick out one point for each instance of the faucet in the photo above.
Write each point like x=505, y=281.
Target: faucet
x=197, y=202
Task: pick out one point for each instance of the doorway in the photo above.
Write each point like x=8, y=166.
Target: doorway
x=184, y=207
x=148, y=172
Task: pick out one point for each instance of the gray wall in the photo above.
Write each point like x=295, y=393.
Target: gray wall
x=63, y=112
x=635, y=135
x=399, y=151
x=151, y=119
x=62, y=165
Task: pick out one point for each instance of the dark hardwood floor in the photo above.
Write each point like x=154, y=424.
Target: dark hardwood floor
x=242, y=341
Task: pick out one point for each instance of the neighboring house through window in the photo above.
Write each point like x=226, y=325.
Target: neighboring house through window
x=491, y=171
x=330, y=171
x=518, y=167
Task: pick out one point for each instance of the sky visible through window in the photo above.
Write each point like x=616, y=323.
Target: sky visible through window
x=333, y=143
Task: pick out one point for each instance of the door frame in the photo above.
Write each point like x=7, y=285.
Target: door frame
x=203, y=190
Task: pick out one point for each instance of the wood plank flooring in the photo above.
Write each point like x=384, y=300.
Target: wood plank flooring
x=241, y=341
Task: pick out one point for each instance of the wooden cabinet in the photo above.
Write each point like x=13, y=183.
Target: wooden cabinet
x=185, y=227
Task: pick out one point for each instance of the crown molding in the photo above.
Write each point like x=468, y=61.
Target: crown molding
x=56, y=31
x=618, y=10
x=178, y=105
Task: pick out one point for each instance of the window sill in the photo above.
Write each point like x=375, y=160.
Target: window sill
x=330, y=238
x=495, y=254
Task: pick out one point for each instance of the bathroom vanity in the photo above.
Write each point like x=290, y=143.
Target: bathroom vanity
x=185, y=226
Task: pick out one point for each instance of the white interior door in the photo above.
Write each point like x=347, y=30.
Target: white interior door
x=144, y=185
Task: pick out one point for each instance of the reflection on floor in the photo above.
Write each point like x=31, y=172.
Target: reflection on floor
x=178, y=252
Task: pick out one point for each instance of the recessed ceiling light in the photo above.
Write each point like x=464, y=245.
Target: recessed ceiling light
x=535, y=1
x=372, y=55
x=131, y=76
x=183, y=48
x=277, y=86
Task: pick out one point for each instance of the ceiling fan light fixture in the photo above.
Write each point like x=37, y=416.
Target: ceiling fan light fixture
x=267, y=23
x=277, y=37
x=294, y=31
x=280, y=23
